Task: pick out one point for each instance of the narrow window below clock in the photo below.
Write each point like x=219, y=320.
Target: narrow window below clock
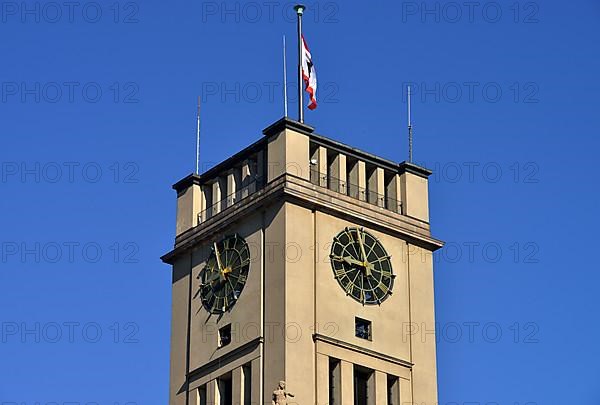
x=362, y=328
x=225, y=335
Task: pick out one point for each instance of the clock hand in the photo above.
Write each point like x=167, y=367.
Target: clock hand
x=366, y=264
x=218, y=255
x=348, y=260
x=214, y=277
x=368, y=267
x=360, y=244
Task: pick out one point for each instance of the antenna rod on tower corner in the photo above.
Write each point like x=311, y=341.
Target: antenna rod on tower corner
x=198, y=138
x=409, y=130
x=285, y=101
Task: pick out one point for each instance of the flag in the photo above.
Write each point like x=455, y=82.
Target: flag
x=309, y=75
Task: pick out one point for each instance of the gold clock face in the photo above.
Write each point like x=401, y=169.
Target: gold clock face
x=225, y=274
x=361, y=266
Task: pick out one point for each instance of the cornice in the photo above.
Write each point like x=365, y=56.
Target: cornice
x=288, y=188
x=362, y=350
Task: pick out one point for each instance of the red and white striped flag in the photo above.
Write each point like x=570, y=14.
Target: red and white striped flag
x=309, y=75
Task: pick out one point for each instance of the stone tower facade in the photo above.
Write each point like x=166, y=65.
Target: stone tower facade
x=306, y=261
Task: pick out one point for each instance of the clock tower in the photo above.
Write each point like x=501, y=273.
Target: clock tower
x=303, y=274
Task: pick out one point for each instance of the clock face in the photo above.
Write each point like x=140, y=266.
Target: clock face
x=361, y=266
x=225, y=274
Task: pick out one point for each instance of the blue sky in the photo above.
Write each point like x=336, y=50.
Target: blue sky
x=97, y=116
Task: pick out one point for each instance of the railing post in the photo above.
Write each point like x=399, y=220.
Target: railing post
x=217, y=190
x=376, y=187
x=233, y=185
x=338, y=174
x=394, y=194
x=318, y=166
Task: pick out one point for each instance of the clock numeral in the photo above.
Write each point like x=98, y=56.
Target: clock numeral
x=386, y=273
x=217, y=303
x=225, y=302
x=339, y=273
x=349, y=288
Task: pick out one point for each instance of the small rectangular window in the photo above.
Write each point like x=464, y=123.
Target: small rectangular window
x=362, y=328
x=225, y=335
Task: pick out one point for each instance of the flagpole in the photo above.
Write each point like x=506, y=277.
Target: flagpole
x=410, y=132
x=198, y=138
x=285, y=104
x=299, y=11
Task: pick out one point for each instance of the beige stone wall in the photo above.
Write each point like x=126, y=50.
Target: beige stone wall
x=246, y=316
x=301, y=297
x=423, y=322
x=294, y=304
x=189, y=204
x=415, y=196
x=275, y=298
x=336, y=312
x=300, y=303
x=288, y=152
x=179, y=322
